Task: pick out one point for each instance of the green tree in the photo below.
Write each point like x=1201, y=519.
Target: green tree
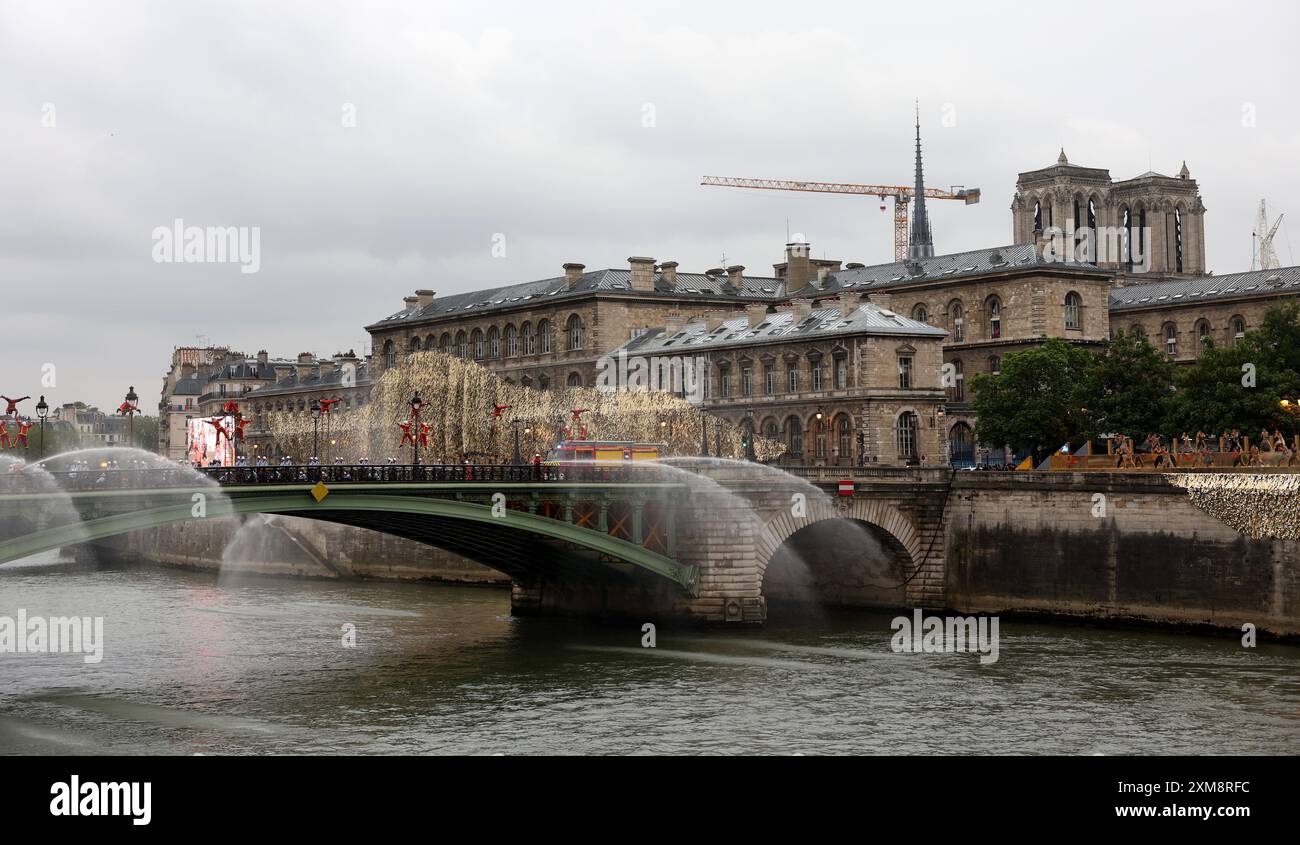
x=1243, y=386
x=1037, y=402
x=1129, y=388
x=146, y=433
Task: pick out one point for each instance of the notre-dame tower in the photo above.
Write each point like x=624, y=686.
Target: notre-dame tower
x=1152, y=216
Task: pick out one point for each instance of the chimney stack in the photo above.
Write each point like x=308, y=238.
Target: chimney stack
x=572, y=273
x=755, y=313
x=736, y=275
x=409, y=302
x=669, y=271
x=798, y=272
x=282, y=372
x=262, y=357
x=849, y=303
x=802, y=309
x=424, y=297
x=714, y=319
x=643, y=273
x=880, y=299
x=673, y=322
x=326, y=367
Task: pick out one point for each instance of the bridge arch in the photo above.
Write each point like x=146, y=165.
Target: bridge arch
x=876, y=512
x=508, y=543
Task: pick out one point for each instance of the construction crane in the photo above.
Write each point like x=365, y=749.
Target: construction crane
x=901, y=194
x=1267, y=257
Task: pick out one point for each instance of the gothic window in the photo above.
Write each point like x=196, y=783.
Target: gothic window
x=390, y=354
x=920, y=314
x=1238, y=329
x=462, y=345
x=527, y=332
x=494, y=343
x=512, y=342
x=958, y=316
x=575, y=379
x=415, y=345
x=446, y=343
x=1171, y=339
x=995, y=318
x=1073, y=311
x=544, y=336
x=1178, y=241
x=1203, y=338
x=478, y=343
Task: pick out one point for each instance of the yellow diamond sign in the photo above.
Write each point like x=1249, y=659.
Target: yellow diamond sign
x=320, y=491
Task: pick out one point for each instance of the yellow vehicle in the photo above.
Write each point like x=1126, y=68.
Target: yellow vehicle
x=568, y=452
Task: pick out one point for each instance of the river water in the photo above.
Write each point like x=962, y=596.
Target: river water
x=194, y=665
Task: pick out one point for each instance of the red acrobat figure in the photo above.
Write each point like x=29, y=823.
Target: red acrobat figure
x=406, y=433
x=498, y=410
x=424, y=434
x=231, y=408
x=126, y=408
x=4, y=435
x=23, y=427
x=11, y=405
x=326, y=405
x=240, y=422
x=577, y=418
x=215, y=422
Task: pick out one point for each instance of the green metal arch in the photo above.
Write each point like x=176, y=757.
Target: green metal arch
x=301, y=504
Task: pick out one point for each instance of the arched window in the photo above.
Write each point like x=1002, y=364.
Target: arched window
x=1126, y=240
x=529, y=345
x=794, y=436
x=446, y=343
x=462, y=344
x=920, y=314
x=844, y=437
x=478, y=343
x=415, y=345
x=575, y=330
x=575, y=379
x=769, y=428
x=1073, y=311
x=1238, y=329
x=957, y=390
x=995, y=364
x=818, y=428
x=1170, y=334
x=1178, y=240
x=544, y=336
x=494, y=343
x=961, y=445
x=1141, y=256
x=390, y=354
x=905, y=435
x=995, y=317
x=1038, y=216
x=512, y=342
x=958, y=317
x=1204, y=340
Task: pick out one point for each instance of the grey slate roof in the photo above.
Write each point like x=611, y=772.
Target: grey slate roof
x=292, y=384
x=190, y=385
x=1285, y=280
x=687, y=285
x=826, y=323
x=956, y=265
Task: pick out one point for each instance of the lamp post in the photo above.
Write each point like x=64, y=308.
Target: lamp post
x=131, y=410
x=749, y=434
x=704, y=434
x=315, y=426
x=42, y=411
x=416, y=404
x=514, y=423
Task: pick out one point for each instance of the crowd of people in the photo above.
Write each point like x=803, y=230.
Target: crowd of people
x=1269, y=449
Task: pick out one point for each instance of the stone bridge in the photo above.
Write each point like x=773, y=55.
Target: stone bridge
x=714, y=541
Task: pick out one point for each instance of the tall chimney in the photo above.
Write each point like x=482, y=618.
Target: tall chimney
x=262, y=357
x=409, y=302
x=424, y=297
x=849, y=303
x=673, y=322
x=798, y=272
x=755, y=313
x=714, y=319
x=880, y=299
x=802, y=309
x=572, y=273
x=669, y=271
x=326, y=367
x=643, y=273
x=736, y=275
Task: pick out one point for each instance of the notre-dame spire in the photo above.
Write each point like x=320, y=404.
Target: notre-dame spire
x=919, y=243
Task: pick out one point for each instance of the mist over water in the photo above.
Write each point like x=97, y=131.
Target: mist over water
x=194, y=666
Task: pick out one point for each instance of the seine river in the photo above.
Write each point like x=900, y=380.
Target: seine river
x=193, y=666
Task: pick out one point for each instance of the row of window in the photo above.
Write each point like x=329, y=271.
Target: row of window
x=510, y=343
x=1086, y=214
x=992, y=315
x=817, y=378
x=1202, y=331
x=840, y=431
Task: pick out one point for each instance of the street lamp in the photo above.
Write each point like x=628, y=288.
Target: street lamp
x=704, y=434
x=131, y=410
x=514, y=423
x=416, y=404
x=315, y=426
x=42, y=411
x=748, y=434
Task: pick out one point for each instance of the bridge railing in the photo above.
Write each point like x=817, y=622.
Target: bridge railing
x=152, y=478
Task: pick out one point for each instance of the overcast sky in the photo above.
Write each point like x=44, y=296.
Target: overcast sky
x=567, y=132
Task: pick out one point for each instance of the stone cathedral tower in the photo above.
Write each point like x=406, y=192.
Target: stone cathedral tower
x=1156, y=221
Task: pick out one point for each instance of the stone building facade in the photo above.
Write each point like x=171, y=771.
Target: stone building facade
x=344, y=377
